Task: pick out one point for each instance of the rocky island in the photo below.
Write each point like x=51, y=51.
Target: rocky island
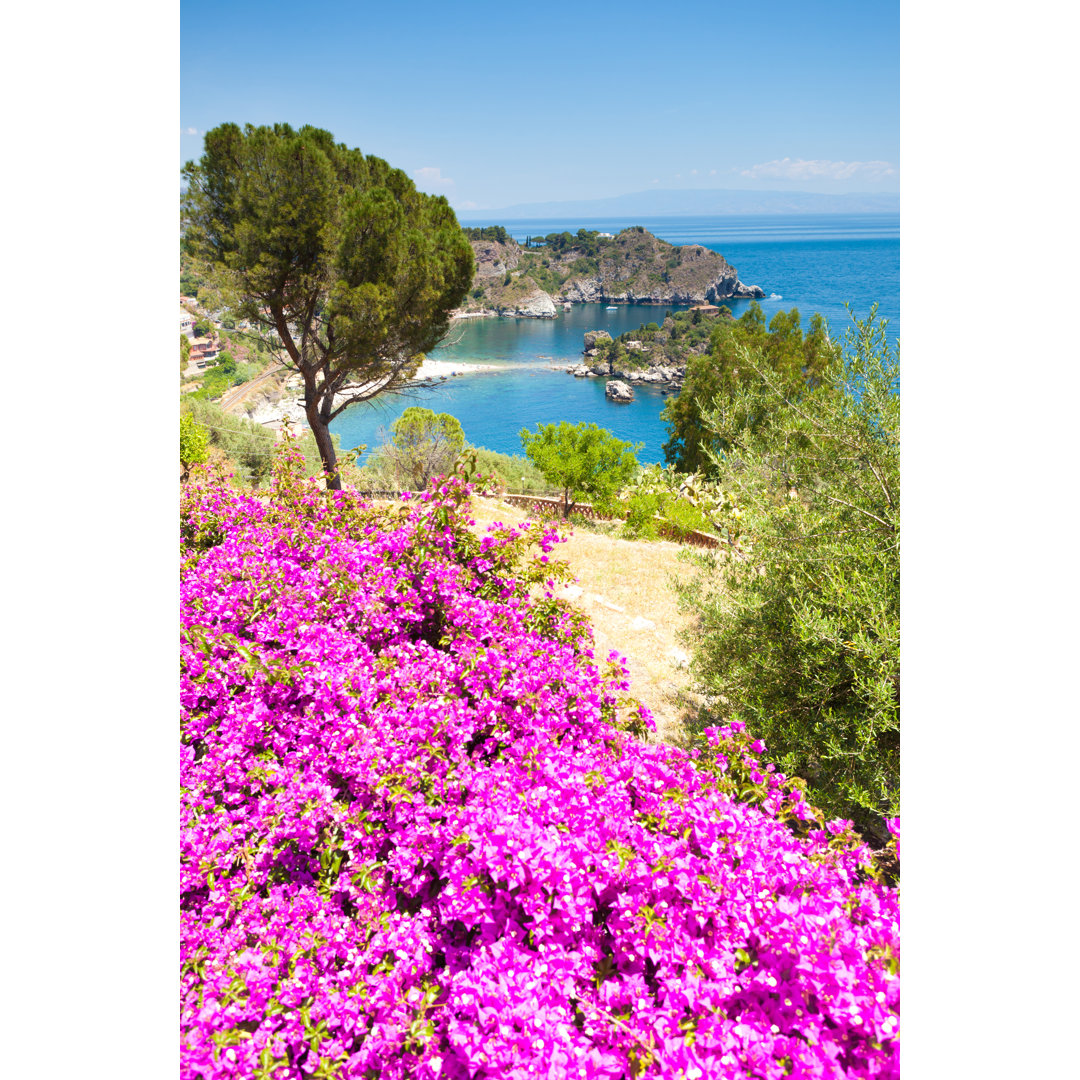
x=634, y=267
x=653, y=353
x=662, y=354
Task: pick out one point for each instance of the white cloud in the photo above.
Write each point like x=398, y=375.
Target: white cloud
x=693, y=172
x=431, y=177
x=655, y=181
x=712, y=172
x=189, y=131
x=801, y=169
x=468, y=204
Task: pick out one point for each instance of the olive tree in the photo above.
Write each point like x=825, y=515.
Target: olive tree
x=333, y=257
x=798, y=635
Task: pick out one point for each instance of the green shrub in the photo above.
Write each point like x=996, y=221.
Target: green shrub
x=585, y=267
x=663, y=503
x=799, y=636
x=194, y=441
x=641, y=509
x=512, y=472
x=546, y=278
x=652, y=513
x=215, y=382
x=244, y=373
x=682, y=518
x=249, y=446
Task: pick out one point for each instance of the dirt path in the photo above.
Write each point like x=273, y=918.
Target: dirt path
x=624, y=587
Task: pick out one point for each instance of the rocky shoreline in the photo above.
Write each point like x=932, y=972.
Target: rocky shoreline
x=618, y=391
x=636, y=367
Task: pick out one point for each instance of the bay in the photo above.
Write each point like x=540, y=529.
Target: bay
x=814, y=263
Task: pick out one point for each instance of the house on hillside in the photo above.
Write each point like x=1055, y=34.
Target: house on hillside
x=187, y=323
x=203, y=350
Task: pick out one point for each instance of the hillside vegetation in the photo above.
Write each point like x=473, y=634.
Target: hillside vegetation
x=422, y=836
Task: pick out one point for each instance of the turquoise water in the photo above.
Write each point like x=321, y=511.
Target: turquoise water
x=812, y=262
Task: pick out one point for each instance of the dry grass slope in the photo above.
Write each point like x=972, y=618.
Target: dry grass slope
x=624, y=587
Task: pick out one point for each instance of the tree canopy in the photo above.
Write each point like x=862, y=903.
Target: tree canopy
x=332, y=255
x=583, y=460
x=792, y=359
x=487, y=232
x=423, y=444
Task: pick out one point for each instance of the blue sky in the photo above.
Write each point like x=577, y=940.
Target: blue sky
x=495, y=104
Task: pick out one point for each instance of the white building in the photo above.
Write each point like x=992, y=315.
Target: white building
x=187, y=323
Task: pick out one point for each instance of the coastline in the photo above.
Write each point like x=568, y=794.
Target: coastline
x=288, y=406
x=446, y=369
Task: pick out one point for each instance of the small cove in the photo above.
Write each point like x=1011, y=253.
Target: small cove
x=814, y=263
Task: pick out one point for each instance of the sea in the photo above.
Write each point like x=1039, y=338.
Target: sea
x=815, y=263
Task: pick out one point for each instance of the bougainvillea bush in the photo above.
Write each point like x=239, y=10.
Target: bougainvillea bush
x=422, y=835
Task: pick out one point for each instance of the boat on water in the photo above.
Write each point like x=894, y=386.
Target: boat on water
x=611, y=307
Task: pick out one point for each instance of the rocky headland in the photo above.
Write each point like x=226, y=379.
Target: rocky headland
x=634, y=267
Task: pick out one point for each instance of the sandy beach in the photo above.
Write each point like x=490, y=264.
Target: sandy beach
x=437, y=369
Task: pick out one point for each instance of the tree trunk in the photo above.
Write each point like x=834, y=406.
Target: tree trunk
x=321, y=430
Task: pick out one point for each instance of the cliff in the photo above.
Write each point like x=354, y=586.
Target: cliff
x=634, y=267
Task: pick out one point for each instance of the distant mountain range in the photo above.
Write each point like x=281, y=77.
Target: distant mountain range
x=679, y=201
